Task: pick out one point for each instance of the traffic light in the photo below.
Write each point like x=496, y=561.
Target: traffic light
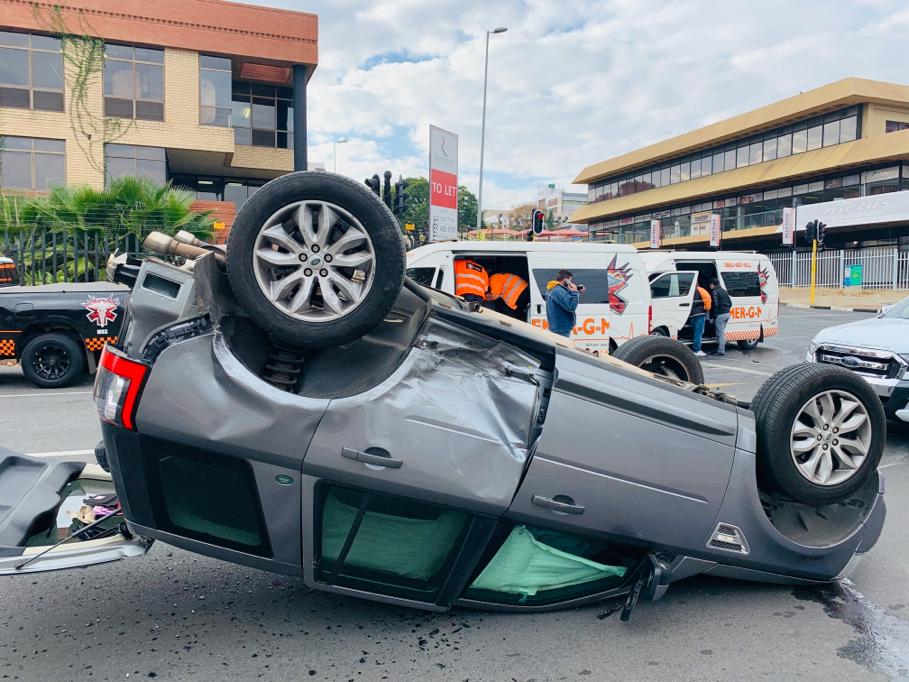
x=400, y=186
x=811, y=231
x=539, y=218
x=821, y=231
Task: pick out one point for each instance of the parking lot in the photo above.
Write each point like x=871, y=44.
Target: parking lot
x=175, y=615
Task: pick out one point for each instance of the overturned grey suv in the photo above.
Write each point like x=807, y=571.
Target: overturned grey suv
x=293, y=403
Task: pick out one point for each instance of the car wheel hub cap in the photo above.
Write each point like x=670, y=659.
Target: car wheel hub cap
x=302, y=284
x=830, y=438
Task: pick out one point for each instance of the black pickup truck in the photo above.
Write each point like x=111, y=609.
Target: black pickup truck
x=57, y=331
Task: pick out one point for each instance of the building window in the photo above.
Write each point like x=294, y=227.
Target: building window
x=214, y=90
x=263, y=115
x=31, y=163
x=133, y=82
x=895, y=126
x=127, y=160
x=31, y=72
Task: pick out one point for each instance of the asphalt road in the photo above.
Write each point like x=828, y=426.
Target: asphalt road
x=175, y=615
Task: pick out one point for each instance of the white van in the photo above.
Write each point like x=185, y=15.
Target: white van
x=748, y=277
x=616, y=303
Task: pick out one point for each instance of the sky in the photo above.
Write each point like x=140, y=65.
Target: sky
x=570, y=83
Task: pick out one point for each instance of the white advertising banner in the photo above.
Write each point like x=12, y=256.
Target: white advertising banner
x=656, y=237
x=788, y=226
x=700, y=223
x=443, y=185
x=716, y=230
x=875, y=209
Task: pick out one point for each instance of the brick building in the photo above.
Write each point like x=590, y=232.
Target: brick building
x=208, y=94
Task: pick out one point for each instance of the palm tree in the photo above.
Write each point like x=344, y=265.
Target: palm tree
x=68, y=234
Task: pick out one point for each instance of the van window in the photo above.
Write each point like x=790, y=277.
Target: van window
x=674, y=284
x=595, y=281
x=422, y=275
x=742, y=283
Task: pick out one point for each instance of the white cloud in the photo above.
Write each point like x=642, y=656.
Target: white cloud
x=571, y=82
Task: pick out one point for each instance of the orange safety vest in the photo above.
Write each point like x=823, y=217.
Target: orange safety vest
x=470, y=278
x=507, y=287
x=706, y=298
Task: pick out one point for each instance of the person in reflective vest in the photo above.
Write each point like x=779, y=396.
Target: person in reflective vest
x=471, y=280
x=506, y=287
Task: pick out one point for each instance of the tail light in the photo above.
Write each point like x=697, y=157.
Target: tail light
x=649, y=319
x=117, y=386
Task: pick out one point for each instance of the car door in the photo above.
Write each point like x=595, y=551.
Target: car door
x=671, y=295
x=628, y=456
x=57, y=515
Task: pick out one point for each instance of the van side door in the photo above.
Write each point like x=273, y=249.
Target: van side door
x=671, y=295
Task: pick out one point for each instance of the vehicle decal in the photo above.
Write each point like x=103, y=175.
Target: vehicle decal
x=746, y=312
x=101, y=310
x=763, y=277
x=7, y=348
x=97, y=342
x=618, y=276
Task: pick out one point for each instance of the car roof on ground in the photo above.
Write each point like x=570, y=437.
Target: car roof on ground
x=64, y=287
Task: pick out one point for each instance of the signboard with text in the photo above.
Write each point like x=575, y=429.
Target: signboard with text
x=655, y=234
x=716, y=228
x=788, y=226
x=443, y=185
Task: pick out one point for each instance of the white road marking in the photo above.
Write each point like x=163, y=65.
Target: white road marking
x=62, y=453
x=891, y=464
x=43, y=394
x=737, y=369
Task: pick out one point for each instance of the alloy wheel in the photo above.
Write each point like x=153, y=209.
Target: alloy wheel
x=830, y=438
x=314, y=261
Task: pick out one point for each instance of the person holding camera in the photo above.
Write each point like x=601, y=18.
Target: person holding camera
x=562, y=299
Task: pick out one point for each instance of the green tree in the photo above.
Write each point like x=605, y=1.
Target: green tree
x=416, y=203
x=550, y=222
x=69, y=233
x=467, y=210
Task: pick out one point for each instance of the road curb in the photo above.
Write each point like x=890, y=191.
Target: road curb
x=844, y=309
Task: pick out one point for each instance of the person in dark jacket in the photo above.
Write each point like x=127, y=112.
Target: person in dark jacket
x=562, y=298
x=722, y=304
x=700, y=306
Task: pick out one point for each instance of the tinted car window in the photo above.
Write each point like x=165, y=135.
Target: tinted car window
x=742, y=283
x=675, y=284
x=421, y=275
x=595, y=281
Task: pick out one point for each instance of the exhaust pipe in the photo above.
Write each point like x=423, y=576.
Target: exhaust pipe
x=160, y=243
x=185, y=237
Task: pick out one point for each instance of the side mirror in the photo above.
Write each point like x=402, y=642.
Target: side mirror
x=884, y=309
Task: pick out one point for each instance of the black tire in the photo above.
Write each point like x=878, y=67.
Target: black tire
x=53, y=360
x=662, y=356
x=660, y=331
x=777, y=405
x=748, y=345
x=101, y=456
x=376, y=220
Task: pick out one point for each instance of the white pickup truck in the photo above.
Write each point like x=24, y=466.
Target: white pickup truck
x=877, y=349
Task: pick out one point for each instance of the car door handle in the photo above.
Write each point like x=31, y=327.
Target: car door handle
x=375, y=456
x=565, y=505
x=684, y=305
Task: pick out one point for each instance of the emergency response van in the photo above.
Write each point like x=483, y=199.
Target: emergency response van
x=615, y=306
x=748, y=277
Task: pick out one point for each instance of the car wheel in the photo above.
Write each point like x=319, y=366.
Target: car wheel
x=53, y=360
x=748, y=345
x=820, y=432
x=662, y=356
x=660, y=331
x=315, y=259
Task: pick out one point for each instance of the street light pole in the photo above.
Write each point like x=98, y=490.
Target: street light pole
x=500, y=29
x=334, y=152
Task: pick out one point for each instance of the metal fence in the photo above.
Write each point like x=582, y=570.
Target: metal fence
x=868, y=268
x=44, y=257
